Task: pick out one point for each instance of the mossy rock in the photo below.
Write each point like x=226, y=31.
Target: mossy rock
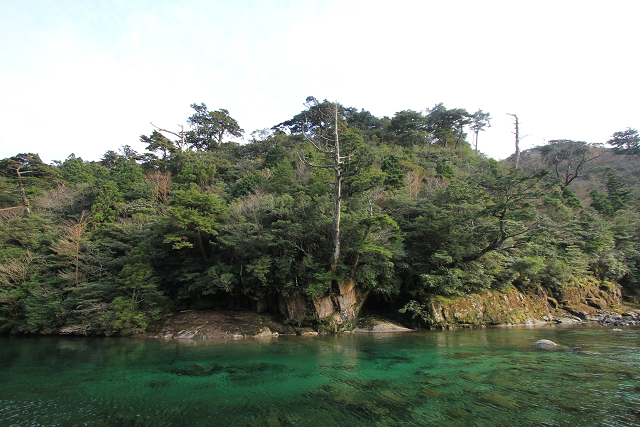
x=197, y=370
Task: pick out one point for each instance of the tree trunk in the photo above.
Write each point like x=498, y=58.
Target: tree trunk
x=337, y=202
x=201, y=247
x=25, y=201
x=517, y=133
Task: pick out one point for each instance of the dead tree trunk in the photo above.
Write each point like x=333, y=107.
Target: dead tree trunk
x=25, y=200
x=331, y=150
x=517, y=133
x=181, y=142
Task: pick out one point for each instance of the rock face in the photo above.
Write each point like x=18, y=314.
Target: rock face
x=333, y=312
x=340, y=312
x=573, y=303
x=294, y=306
x=489, y=308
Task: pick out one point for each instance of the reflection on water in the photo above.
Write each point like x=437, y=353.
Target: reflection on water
x=482, y=377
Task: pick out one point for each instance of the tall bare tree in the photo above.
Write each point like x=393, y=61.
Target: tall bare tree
x=180, y=143
x=327, y=142
x=518, y=138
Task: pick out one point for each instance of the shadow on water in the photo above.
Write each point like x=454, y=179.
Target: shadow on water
x=484, y=377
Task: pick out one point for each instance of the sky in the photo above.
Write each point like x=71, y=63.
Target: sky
x=85, y=77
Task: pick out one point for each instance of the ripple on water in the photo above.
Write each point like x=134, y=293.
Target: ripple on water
x=484, y=378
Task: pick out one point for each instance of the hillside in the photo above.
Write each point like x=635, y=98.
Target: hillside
x=328, y=213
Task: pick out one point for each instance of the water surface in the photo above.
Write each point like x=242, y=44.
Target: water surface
x=482, y=377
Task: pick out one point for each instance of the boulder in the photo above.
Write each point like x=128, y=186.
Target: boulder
x=546, y=343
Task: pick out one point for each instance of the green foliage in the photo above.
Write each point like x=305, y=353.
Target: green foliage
x=107, y=205
x=394, y=177
x=197, y=167
x=246, y=185
x=190, y=217
x=129, y=178
x=74, y=170
x=617, y=196
x=626, y=142
x=209, y=127
x=420, y=216
x=140, y=300
x=445, y=170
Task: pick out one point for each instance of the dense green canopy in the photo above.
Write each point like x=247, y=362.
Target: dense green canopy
x=106, y=247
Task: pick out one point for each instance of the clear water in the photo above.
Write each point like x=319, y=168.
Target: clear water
x=485, y=377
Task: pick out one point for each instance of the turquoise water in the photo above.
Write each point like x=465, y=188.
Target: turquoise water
x=483, y=377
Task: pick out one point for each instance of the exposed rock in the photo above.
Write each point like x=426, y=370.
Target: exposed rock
x=266, y=333
x=373, y=325
x=346, y=286
x=260, y=305
x=567, y=320
x=630, y=318
x=324, y=307
x=296, y=306
x=347, y=308
x=489, y=308
x=546, y=343
x=207, y=324
x=350, y=303
x=574, y=303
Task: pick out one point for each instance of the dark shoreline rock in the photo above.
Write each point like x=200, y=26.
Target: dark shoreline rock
x=491, y=308
x=630, y=318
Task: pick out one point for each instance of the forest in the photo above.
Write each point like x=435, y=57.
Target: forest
x=402, y=208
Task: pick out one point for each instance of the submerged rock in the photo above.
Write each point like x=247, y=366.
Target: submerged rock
x=546, y=343
x=498, y=400
x=197, y=370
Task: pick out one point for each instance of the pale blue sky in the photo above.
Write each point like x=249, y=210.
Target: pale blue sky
x=88, y=76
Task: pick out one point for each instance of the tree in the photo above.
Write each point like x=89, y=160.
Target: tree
x=327, y=142
x=72, y=243
x=518, y=138
x=615, y=191
x=109, y=159
x=626, y=142
x=160, y=183
x=128, y=175
x=395, y=177
x=15, y=273
x=74, y=170
x=28, y=171
x=157, y=142
x=479, y=120
x=447, y=125
x=313, y=119
x=191, y=216
x=410, y=127
x=508, y=198
x=107, y=205
x=209, y=127
x=567, y=157
x=140, y=299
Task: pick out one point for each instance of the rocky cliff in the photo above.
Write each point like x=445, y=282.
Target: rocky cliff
x=575, y=302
